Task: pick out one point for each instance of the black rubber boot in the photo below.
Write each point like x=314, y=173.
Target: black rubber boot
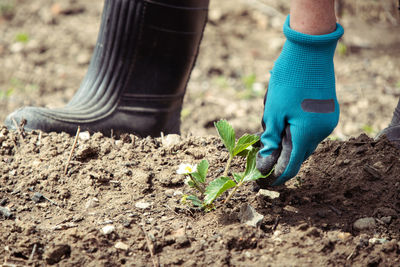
x=392, y=132
x=138, y=74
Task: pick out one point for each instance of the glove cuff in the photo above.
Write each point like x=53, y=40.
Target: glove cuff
x=306, y=61
x=312, y=40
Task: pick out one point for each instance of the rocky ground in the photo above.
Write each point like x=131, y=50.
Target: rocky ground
x=119, y=201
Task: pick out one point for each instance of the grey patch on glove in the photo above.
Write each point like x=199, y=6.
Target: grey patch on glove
x=284, y=158
x=318, y=105
x=264, y=165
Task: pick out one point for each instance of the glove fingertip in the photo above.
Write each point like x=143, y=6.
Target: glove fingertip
x=265, y=164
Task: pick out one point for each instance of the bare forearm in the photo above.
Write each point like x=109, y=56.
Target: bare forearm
x=314, y=17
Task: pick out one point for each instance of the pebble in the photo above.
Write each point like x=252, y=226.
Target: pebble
x=269, y=194
x=5, y=213
x=178, y=193
x=249, y=216
x=344, y=236
x=121, y=245
x=108, y=229
x=375, y=240
x=84, y=136
x=387, y=219
x=16, y=47
x=364, y=224
x=142, y=205
x=171, y=140
x=92, y=203
x=37, y=197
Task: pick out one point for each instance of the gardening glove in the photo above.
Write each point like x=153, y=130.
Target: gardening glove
x=301, y=108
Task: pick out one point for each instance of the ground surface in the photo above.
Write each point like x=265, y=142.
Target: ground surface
x=44, y=52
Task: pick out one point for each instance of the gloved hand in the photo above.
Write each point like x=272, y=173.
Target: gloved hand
x=301, y=108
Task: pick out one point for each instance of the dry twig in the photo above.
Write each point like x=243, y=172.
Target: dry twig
x=32, y=253
x=150, y=246
x=18, y=130
x=72, y=150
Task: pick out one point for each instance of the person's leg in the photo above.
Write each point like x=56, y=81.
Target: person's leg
x=138, y=74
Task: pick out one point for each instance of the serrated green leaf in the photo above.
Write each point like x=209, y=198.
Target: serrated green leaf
x=253, y=175
x=216, y=188
x=195, y=201
x=244, y=153
x=244, y=142
x=227, y=134
x=197, y=177
x=202, y=169
x=237, y=177
x=251, y=161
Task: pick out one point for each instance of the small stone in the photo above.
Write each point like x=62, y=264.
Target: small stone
x=83, y=59
x=387, y=219
x=169, y=192
x=121, y=246
x=108, y=229
x=92, y=203
x=84, y=136
x=16, y=47
x=344, y=236
x=375, y=240
x=37, y=197
x=269, y=194
x=142, y=205
x=249, y=216
x=364, y=224
x=57, y=254
x=178, y=193
x=4, y=212
x=171, y=140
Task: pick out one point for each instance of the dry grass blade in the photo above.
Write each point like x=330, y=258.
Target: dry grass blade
x=72, y=150
x=18, y=130
x=150, y=246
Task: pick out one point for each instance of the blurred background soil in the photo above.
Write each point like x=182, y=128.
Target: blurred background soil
x=46, y=45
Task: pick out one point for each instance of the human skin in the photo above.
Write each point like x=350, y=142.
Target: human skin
x=315, y=17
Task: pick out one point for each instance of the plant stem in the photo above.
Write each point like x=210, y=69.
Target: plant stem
x=232, y=192
x=228, y=165
x=197, y=186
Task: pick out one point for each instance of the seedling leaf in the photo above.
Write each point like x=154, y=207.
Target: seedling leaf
x=252, y=173
x=216, y=188
x=195, y=201
x=251, y=161
x=237, y=177
x=227, y=134
x=244, y=142
x=202, y=169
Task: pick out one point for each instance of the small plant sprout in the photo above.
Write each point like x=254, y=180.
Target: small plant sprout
x=196, y=175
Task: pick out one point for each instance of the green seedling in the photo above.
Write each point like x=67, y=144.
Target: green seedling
x=22, y=38
x=368, y=129
x=5, y=94
x=342, y=49
x=196, y=175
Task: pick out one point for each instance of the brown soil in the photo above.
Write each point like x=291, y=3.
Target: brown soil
x=48, y=217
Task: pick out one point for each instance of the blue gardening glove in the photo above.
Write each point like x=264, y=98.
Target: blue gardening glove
x=301, y=108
